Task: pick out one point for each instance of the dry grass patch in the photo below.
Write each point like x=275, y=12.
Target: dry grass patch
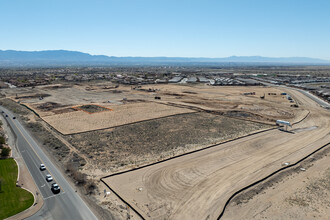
x=154, y=140
x=90, y=109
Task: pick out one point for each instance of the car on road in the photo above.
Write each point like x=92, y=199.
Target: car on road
x=6, y=115
x=14, y=117
x=42, y=167
x=56, y=188
x=49, y=178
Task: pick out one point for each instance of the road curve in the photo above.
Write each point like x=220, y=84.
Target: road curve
x=316, y=99
x=65, y=205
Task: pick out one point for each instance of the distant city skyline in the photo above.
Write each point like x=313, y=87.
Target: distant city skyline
x=185, y=28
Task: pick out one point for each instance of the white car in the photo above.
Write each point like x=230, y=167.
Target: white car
x=49, y=178
x=42, y=167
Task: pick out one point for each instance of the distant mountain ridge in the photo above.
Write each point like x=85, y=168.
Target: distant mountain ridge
x=67, y=58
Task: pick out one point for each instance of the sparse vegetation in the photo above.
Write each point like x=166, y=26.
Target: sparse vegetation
x=48, y=140
x=80, y=178
x=14, y=107
x=158, y=139
x=92, y=108
x=2, y=140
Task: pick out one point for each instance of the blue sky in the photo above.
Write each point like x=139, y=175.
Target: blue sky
x=183, y=28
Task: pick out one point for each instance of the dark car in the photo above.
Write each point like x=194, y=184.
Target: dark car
x=56, y=188
x=6, y=115
x=14, y=117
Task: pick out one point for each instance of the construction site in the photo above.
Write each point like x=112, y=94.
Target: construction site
x=187, y=151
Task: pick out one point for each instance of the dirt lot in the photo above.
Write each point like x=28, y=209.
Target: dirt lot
x=82, y=121
x=196, y=186
x=177, y=188
x=154, y=140
x=55, y=103
x=302, y=192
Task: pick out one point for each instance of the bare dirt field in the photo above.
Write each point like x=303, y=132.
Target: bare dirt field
x=196, y=116
x=55, y=103
x=196, y=186
x=302, y=192
x=81, y=121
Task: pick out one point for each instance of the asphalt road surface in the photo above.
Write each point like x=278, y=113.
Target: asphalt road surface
x=316, y=99
x=65, y=205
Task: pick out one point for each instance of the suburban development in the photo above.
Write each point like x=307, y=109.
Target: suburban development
x=165, y=110
x=174, y=148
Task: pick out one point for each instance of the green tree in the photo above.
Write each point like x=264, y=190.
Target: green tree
x=2, y=140
x=5, y=152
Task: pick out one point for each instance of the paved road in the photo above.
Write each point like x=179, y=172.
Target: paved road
x=65, y=205
x=316, y=99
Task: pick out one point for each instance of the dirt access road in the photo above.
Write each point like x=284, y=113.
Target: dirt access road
x=196, y=186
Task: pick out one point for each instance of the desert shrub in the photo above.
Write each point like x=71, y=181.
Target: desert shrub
x=90, y=187
x=5, y=152
x=14, y=107
x=78, y=176
x=69, y=167
x=2, y=140
x=48, y=140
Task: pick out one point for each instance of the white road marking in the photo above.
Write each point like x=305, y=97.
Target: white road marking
x=54, y=195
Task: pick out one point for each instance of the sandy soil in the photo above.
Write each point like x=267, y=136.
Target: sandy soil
x=196, y=186
x=80, y=121
x=58, y=100
x=164, y=192
x=302, y=193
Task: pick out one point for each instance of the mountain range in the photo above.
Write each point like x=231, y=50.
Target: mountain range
x=13, y=58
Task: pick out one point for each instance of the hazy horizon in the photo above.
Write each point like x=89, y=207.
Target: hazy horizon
x=160, y=56
x=195, y=28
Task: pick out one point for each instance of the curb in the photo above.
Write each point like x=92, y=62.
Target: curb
x=34, y=198
x=18, y=175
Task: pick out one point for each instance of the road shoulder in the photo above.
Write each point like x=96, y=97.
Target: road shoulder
x=24, y=179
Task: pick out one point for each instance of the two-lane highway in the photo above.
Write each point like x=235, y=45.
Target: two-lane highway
x=65, y=205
